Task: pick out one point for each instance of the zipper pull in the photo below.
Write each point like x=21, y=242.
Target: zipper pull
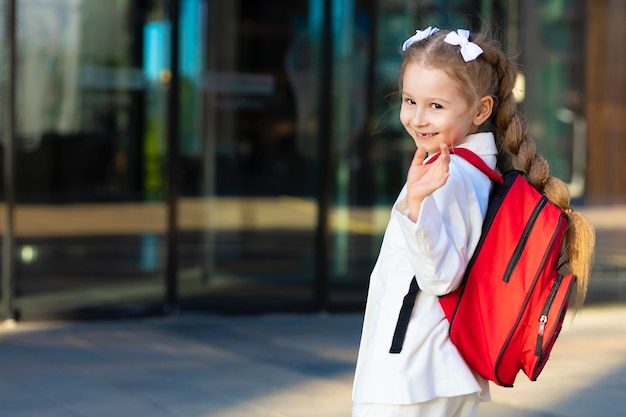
x=542, y=324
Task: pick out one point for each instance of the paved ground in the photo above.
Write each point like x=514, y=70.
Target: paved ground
x=267, y=366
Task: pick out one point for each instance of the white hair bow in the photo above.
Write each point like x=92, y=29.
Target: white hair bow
x=419, y=35
x=469, y=50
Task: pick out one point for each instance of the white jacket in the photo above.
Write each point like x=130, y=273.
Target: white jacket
x=436, y=250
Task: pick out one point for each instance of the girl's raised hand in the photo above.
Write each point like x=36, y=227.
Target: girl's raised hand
x=423, y=180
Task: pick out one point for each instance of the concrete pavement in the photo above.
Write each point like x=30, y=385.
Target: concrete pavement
x=267, y=366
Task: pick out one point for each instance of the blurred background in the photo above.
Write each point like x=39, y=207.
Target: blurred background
x=241, y=156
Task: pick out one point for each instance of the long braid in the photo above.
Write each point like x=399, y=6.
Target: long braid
x=520, y=153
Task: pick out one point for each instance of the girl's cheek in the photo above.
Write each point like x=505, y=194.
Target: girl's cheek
x=404, y=117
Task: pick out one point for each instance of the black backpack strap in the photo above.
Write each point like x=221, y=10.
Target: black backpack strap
x=404, y=317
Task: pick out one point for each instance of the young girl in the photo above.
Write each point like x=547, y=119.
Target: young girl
x=452, y=86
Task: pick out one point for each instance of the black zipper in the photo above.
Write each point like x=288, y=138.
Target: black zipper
x=517, y=254
x=543, y=319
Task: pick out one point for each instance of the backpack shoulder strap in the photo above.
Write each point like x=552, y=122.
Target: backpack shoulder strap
x=475, y=160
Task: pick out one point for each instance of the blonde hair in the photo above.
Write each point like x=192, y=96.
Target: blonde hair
x=494, y=74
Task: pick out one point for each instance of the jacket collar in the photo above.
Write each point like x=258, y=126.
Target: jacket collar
x=482, y=144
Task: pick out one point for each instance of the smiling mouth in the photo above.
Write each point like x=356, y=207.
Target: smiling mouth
x=425, y=135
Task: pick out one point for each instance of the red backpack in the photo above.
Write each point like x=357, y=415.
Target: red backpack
x=509, y=309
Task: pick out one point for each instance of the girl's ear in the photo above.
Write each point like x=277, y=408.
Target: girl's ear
x=485, y=107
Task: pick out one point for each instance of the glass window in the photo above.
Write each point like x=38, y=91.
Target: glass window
x=248, y=210
x=90, y=178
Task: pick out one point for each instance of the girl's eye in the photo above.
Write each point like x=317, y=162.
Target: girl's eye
x=409, y=101
x=436, y=106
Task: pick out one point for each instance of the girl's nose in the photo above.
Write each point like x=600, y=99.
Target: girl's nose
x=418, y=118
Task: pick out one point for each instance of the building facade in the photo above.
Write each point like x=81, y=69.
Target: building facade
x=242, y=156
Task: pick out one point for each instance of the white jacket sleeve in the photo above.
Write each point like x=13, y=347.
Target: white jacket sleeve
x=442, y=239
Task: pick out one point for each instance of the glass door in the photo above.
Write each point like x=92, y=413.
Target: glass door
x=90, y=214
x=247, y=208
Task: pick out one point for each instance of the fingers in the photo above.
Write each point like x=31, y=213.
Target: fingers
x=418, y=158
x=443, y=164
x=423, y=180
x=444, y=158
x=445, y=152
